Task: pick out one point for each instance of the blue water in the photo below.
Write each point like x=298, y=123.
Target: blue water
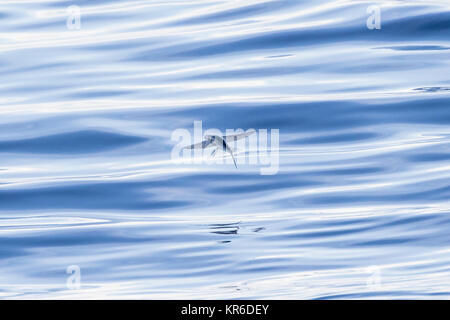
x=359, y=208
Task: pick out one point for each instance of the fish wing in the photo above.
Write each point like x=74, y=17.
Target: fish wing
x=201, y=145
x=238, y=136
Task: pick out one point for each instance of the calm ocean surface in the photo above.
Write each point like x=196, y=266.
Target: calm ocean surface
x=359, y=208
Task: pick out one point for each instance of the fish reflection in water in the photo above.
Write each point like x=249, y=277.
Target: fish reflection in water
x=226, y=228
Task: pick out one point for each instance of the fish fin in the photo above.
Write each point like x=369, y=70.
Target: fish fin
x=233, y=159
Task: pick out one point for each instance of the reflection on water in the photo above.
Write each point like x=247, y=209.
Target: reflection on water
x=85, y=140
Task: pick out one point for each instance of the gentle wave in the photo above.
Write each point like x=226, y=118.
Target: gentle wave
x=86, y=177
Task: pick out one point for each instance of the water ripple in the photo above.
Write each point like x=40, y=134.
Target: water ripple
x=86, y=177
